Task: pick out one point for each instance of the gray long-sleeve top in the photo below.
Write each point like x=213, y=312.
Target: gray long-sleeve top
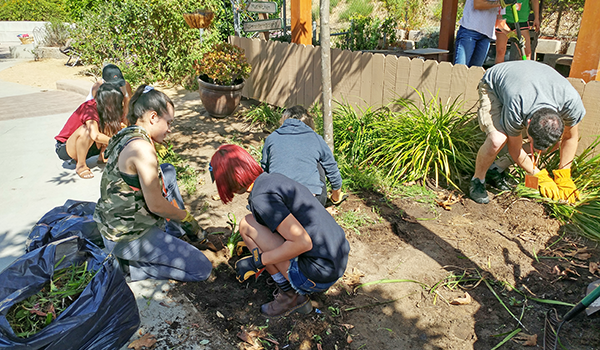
x=294, y=150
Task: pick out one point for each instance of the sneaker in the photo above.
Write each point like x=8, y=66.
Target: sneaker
x=497, y=180
x=477, y=192
x=286, y=303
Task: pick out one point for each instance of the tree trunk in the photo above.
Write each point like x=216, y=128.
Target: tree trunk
x=326, y=74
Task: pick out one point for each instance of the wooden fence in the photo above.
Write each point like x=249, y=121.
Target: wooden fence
x=289, y=74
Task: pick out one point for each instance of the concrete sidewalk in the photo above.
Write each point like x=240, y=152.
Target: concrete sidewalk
x=35, y=181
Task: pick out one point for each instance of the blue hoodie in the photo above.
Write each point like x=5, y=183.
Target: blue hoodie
x=294, y=151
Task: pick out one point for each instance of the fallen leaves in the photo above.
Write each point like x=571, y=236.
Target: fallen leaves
x=146, y=341
x=249, y=336
x=446, y=201
x=464, y=300
x=526, y=339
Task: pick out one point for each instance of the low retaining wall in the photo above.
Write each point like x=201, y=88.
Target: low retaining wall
x=10, y=29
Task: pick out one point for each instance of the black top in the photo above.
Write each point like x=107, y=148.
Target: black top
x=274, y=197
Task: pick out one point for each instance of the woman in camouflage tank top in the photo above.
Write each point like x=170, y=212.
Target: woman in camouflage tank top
x=140, y=213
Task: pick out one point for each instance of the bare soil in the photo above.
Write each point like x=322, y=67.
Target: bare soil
x=509, y=242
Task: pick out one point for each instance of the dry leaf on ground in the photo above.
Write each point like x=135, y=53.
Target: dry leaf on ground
x=464, y=300
x=526, y=339
x=594, y=267
x=146, y=341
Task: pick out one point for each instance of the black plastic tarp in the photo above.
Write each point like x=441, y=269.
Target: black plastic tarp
x=104, y=316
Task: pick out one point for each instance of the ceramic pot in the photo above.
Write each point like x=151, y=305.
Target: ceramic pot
x=220, y=101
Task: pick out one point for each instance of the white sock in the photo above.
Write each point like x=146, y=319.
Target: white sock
x=279, y=278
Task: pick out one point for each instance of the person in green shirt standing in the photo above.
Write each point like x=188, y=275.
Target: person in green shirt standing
x=523, y=9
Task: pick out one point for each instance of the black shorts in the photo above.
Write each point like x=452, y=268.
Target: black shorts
x=61, y=151
x=523, y=25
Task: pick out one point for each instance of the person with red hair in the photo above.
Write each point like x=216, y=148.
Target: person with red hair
x=289, y=232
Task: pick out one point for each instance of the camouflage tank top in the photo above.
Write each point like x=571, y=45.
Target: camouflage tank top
x=121, y=212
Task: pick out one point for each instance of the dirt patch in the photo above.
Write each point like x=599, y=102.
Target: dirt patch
x=403, y=240
x=44, y=73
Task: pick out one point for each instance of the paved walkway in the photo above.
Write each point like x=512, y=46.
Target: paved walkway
x=34, y=181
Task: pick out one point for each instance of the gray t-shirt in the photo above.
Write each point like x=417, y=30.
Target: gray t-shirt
x=523, y=87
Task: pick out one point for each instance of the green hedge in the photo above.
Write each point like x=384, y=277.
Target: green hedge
x=33, y=10
x=148, y=39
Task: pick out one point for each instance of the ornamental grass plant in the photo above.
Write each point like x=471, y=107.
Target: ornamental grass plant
x=584, y=215
x=223, y=64
x=432, y=140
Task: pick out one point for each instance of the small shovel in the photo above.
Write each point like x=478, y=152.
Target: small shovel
x=553, y=324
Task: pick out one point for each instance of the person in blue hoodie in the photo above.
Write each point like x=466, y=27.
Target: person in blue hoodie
x=298, y=152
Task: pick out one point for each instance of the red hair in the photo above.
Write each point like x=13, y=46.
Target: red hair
x=233, y=169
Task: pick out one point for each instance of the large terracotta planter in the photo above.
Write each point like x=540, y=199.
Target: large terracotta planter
x=220, y=101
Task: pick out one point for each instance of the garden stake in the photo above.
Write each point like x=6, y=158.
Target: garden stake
x=552, y=324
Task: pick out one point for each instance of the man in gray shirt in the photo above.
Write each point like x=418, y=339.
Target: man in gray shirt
x=526, y=95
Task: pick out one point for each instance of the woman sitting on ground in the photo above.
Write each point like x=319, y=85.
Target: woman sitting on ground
x=301, y=154
x=90, y=127
x=289, y=232
x=140, y=213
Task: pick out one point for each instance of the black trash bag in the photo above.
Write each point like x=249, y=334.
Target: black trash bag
x=74, y=218
x=104, y=316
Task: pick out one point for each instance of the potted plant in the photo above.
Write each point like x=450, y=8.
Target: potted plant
x=221, y=74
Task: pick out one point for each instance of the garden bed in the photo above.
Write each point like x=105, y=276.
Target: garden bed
x=430, y=252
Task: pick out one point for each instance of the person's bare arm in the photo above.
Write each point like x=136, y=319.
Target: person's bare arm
x=485, y=4
x=95, y=134
x=535, y=5
x=297, y=241
x=141, y=159
x=568, y=146
x=127, y=93
x=515, y=149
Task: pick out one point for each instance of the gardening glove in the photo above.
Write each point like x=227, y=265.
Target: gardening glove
x=342, y=198
x=546, y=185
x=161, y=150
x=505, y=3
x=566, y=186
x=512, y=37
x=249, y=266
x=192, y=229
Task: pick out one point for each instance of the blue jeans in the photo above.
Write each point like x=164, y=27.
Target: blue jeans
x=301, y=283
x=471, y=47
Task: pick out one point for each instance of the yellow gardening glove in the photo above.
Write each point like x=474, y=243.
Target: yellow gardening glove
x=547, y=186
x=161, y=150
x=566, y=186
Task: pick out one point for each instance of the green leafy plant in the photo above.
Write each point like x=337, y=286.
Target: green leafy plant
x=57, y=33
x=264, y=116
x=366, y=33
x=33, y=10
x=354, y=219
x=223, y=64
x=31, y=315
x=357, y=7
x=187, y=176
x=235, y=236
x=148, y=40
x=433, y=140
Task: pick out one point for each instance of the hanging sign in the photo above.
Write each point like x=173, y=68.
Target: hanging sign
x=263, y=26
x=262, y=7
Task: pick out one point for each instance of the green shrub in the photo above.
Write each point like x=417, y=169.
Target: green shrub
x=433, y=140
x=356, y=7
x=148, y=40
x=57, y=33
x=33, y=10
x=366, y=33
x=264, y=116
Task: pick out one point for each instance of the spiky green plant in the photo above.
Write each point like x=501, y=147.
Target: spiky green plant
x=585, y=214
x=433, y=140
x=264, y=116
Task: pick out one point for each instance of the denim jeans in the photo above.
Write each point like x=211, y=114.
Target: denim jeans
x=471, y=47
x=301, y=283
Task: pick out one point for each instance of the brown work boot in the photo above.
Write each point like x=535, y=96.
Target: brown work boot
x=286, y=303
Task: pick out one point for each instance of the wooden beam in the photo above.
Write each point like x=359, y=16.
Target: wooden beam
x=586, y=60
x=301, y=22
x=446, y=42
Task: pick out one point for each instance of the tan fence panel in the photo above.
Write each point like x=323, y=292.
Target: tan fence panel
x=428, y=85
x=415, y=79
x=314, y=86
x=458, y=83
x=377, y=79
x=474, y=75
x=442, y=81
x=402, y=77
x=366, y=77
x=389, y=79
x=589, y=129
x=346, y=72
